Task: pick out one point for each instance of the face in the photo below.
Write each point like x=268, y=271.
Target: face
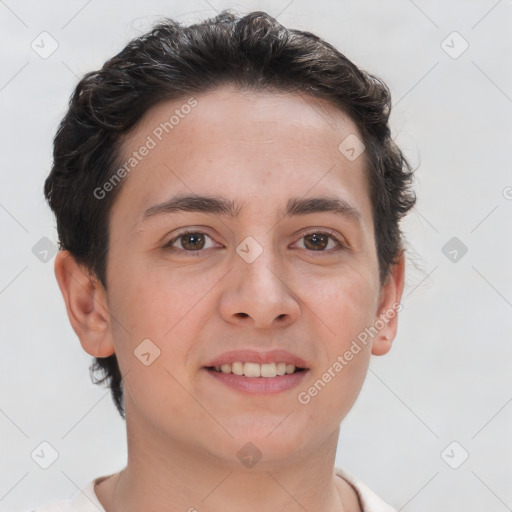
x=265, y=270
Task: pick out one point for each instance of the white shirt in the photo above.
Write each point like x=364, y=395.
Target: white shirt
x=86, y=500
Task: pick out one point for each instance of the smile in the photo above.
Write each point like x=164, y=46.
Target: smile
x=255, y=384
x=267, y=370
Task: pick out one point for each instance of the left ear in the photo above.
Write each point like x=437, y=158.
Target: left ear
x=389, y=305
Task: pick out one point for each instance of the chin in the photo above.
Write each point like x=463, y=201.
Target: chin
x=272, y=439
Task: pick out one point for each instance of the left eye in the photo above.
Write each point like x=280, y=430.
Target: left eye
x=319, y=241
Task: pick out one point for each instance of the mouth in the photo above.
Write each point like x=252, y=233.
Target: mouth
x=257, y=378
x=255, y=370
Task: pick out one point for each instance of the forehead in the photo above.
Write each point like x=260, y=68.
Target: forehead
x=256, y=148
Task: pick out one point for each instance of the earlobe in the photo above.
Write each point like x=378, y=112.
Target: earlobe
x=381, y=345
x=86, y=305
x=389, y=306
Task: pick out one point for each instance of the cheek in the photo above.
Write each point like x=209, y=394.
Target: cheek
x=153, y=328
x=344, y=305
x=153, y=299
x=349, y=311
x=168, y=307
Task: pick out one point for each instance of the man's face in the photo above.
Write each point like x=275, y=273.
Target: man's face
x=258, y=281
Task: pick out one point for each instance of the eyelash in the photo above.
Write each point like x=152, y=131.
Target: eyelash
x=331, y=234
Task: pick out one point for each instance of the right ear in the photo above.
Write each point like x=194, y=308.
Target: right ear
x=86, y=305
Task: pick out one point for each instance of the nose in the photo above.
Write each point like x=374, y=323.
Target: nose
x=259, y=294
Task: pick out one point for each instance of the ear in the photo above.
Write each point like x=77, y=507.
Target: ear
x=86, y=305
x=389, y=306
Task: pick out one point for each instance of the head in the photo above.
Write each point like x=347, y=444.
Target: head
x=260, y=118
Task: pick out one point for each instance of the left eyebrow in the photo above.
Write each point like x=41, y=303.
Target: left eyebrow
x=305, y=206
x=221, y=206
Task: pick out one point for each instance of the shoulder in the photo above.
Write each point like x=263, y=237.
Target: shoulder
x=84, y=500
x=369, y=501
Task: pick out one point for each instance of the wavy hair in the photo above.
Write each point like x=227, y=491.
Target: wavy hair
x=173, y=61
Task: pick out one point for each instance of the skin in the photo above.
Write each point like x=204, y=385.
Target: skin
x=184, y=428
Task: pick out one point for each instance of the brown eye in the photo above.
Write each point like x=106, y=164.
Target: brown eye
x=192, y=241
x=322, y=242
x=316, y=241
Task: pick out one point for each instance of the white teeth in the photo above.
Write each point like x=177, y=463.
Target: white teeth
x=252, y=370
x=256, y=369
x=268, y=370
x=237, y=368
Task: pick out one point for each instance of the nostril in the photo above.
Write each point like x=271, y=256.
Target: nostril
x=242, y=315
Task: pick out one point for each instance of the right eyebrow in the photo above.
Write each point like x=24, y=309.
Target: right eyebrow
x=194, y=203
x=221, y=206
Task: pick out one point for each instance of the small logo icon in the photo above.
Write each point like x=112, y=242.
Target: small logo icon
x=454, y=45
x=146, y=352
x=454, y=249
x=351, y=147
x=249, y=455
x=249, y=249
x=455, y=455
x=44, y=455
x=44, y=45
x=44, y=250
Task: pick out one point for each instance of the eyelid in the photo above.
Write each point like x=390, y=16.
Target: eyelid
x=187, y=231
x=340, y=240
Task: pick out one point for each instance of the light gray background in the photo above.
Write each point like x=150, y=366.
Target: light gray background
x=447, y=377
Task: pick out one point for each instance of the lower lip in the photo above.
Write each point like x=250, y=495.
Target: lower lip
x=261, y=385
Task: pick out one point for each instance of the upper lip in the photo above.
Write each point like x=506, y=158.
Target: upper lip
x=253, y=356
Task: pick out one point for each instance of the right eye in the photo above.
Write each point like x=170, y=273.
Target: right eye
x=191, y=242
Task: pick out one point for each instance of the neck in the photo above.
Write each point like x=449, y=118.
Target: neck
x=168, y=477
